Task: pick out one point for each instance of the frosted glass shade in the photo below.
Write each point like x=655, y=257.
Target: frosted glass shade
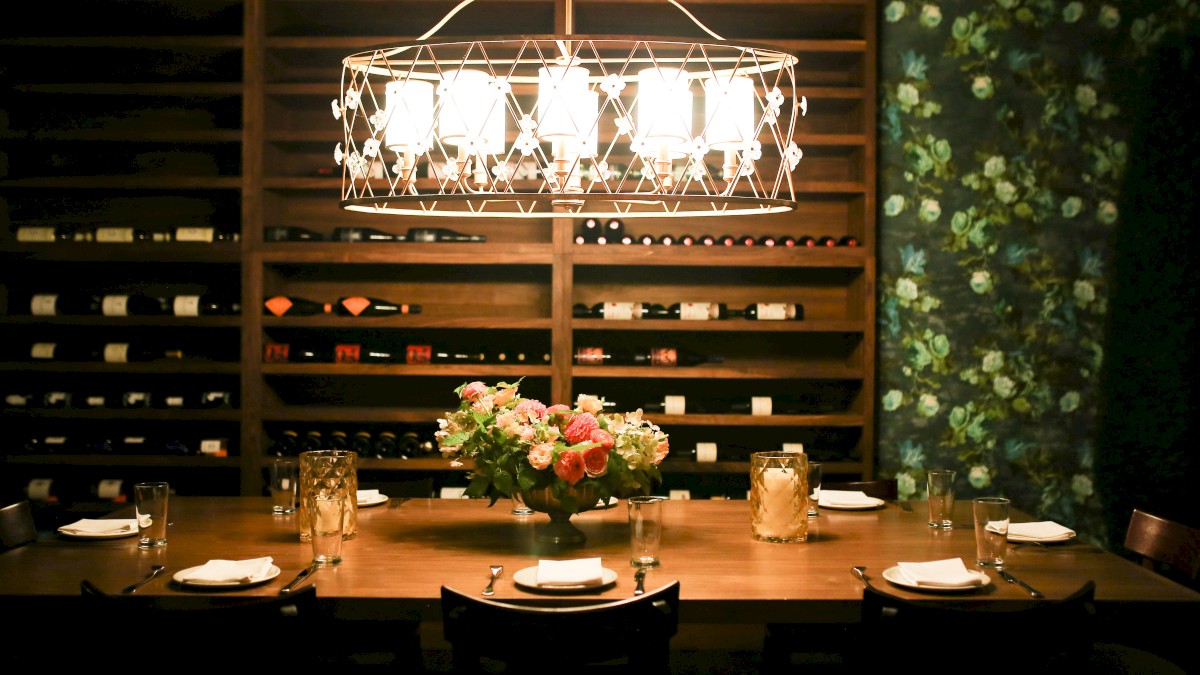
x=472, y=109
x=664, y=106
x=562, y=92
x=409, y=115
x=729, y=113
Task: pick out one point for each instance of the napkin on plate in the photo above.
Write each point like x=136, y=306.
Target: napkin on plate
x=846, y=498
x=100, y=526
x=230, y=570
x=368, y=495
x=1045, y=530
x=950, y=573
x=582, y=572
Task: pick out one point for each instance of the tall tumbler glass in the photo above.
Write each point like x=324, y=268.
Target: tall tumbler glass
x=327, y=472
x=779, y=496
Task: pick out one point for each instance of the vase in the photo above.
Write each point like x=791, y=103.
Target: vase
x=560, y=531
x=328, y=472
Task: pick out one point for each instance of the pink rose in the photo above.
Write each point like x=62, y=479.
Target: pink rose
x=530, y=409
x=505, y=396
x=602, y=437
x=569, y=466
x=474, y=390
x=660, y=451
x=541, y=455
x=580, y=428
x=595, y=460
x=556, y=409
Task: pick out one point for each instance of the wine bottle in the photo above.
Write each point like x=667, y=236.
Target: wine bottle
x=627, y=239
x=178, y=447
x=580, y=239
x=338, y=440
x=172, y=399
x=55, y=351
x=204, y=304
x=41, y=234
x=747, y=240
x=366, y=234
x=509, y=356
x=135, y=445
x=286, y=444
x=672, y=357
x=133, y=304
x=409, y=444
x=590, y=229
x=687, y=240
x=789, y=241
x=291, y=233
x=826, y=241
x=848, y=240
x=601, y=356
x=646, y=240
x=581, y=311
x=284, y=305
x=620, y=311
x=313, y=440
x=19, y=400
x=727, y=240
x=358, y=353
x=201, y=234
x=707, y=240
x=768, y=241
x=135, y=399
x=774, y=405
x=806, y=242
x=441, y=235
x=774, y=311
x=669, y=405
x=362, y=443
x=667, y=240
x=131, y=352
x=215, y=399
x=359, y=305
x=56, y=399
x=93, y=399
x=614, y=228
x=386, y=445
x=60, y=304
x=698, y=311
x=458, y=355
x=121, y=235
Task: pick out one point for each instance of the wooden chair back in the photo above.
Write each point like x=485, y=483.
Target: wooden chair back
x=17, y=526
x=884, y=489
x=636, y=632
x=1165, y=546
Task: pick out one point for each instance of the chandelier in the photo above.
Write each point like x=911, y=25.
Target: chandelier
x=526, y=127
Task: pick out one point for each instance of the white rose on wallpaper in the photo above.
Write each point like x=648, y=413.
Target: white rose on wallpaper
x=931, y=16
x=931, y=210
x=1110, y=17
x=928, y=405
x=982, y=87
x=993, y=361
x=1072, y=12
x=981, y=281
x=1084, y=292
x=1069, y=402
x=892, y=400
x=979, y=477
x=1071, y=207
x=994, y=166
x=1003, y=386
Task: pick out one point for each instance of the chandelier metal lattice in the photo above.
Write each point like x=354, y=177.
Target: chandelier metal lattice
x=588, y=126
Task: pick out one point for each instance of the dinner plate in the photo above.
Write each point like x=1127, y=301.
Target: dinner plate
x=852, y=507
x=893, y=575
x=612, y=501
x=181, y=577
x=1040, y=540
x=99, y=535
x=527, y=578
x=379, y=499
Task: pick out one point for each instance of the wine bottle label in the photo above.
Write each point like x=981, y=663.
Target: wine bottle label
x=418, y=354
x=139, y=441
x=276, y=352
x=114, y=235
x=347, y=353
x=115, y=305
x=116, y=352
x=278, y=305
x=794, y=447
x=204, y=234
x=620, y=311
x=214, y=447
x=679, y=494
x=39, y=489
x=174, y=401
x=109, y=488
x=35, y=234
x=94, y=401
x=213, y=399
x=186, y=305
x=44, y=304
x=706, y=452
x=355, y=305
x=42, y=350
x=664, y=356
x=776, y=311
x=760, y=405
x=675, y=405
x=589, y=356
x=56, y=398
x=135, y=399
x=697, y=311
x=57, y=441
x=17, y=400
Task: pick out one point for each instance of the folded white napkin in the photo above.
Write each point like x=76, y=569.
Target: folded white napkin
x=1045, y=530
x=101, y=526
x=368, y=495
x=950, y=573
x=582, y=572
x=846, y=498
x=230, y=570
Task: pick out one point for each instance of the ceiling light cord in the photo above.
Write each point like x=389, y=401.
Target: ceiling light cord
x=464, y=3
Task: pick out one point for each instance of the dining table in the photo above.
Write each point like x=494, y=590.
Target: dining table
x=731, y=585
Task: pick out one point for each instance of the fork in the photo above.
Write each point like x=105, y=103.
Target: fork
x=154, y=570
x=496, y=570
x=640, y=577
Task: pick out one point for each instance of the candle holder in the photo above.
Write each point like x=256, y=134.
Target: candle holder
x=779, y=497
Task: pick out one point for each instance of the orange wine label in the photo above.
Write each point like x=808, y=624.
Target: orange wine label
x=663, y=356
x=278, y=305
x=356, y=305
x=589, y=356
x=346, y=353
x=275, y=352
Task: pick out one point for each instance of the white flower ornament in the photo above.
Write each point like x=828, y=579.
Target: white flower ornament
x=612, y=85
x=337, y=154
x=378, y=120
x=371, y=147
x=337, y=110
x=794, y=155
x=352, y=99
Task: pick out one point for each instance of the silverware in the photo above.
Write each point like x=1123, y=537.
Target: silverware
x=858, y=571
x=154, y=570
x=1033, y=592
x=496, y=570
x=640, y=577
x=304, y=574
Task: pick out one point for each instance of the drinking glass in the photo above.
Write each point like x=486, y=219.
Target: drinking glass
x=991, y=530
x=150, y=507
x=645, y=530
x=814, y=488
x=328, y=511
x=284, y=474
x=323, y=472
x=518, y=505
x=779, y=496
x=941, y=498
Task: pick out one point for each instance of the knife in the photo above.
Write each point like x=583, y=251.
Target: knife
x=299, y=579
x=1013, y=580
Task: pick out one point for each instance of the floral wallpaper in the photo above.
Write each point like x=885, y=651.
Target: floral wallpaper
x=1003, y=146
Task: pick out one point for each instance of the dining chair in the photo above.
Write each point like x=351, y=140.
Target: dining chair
x=1165, y=546
x=17, y=526
x=628, y=635
x=885, y=489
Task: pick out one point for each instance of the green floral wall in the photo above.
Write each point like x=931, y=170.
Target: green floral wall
x=1004, y=144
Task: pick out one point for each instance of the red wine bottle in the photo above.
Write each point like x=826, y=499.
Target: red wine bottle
x=727, y=240
x=806, y=242
x=285, y=305
x=698, y=311
x=827, y=241
x=848, y=240
x=442, y=235
x=291, y=233
x=133, y=304
x=204, y=304
x=366, y=234
x=707, y=240
x=590, y=229
x=747, y=240
x=667, y=240
x=358, y=305
x=774, y=311
x=60, y=304
x=767, y=241
x=687, y=240
x=646, y=239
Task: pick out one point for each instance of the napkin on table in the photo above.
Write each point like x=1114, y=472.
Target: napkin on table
x=846, y=498
x=100, y=526
x=1045, y=529
x=367, y=495
x=950, y=573
x=230, y=570
x=582, y=572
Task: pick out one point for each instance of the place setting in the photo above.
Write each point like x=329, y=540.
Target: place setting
x=221, y=573
x=940, y=576
x=369, y=498
x=100, y=528
x=848, y=500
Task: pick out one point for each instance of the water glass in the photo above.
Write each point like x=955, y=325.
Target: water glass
x=814, y=488
x=328, y=511
x=518, y=505
x=991, y=530
x=283, y=476
x=150, y=507
x=941, y=498
x=645, y=530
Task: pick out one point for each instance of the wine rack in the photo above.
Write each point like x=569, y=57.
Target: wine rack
x=214, y=116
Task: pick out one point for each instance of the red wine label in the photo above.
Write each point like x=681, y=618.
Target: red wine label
x=589, y=356
x=204, y=234
x=35, y=234
x=697, y=311
x=115, y=305
x=418, y=354
x=186, y=305
x=621, y=311
x=275, y=352
x=43, y=304
x=278, y=305
x=347, y=353
x=355, y=305
x=113, y=235
x=663, y=356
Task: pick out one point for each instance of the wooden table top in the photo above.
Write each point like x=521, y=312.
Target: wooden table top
x=402, y=556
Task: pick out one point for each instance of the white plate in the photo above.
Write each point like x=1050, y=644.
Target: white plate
x=373, y=502
x=527, y=578
x=99, y=535
x=181, y=577
x=612, y=501
x=893, y=575
x=1040, y=540
x=852, y=507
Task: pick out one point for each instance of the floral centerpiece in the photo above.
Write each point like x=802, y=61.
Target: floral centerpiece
x=521, y=444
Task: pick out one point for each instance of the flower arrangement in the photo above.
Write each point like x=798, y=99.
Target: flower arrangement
x=520, y=444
